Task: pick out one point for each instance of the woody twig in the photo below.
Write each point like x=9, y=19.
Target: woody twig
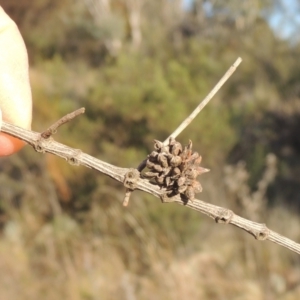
x=190, y=118
x=131, y=179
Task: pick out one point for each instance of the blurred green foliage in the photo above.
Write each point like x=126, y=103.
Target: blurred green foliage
x=137, y=91
x=82, y=54
x=134, y=95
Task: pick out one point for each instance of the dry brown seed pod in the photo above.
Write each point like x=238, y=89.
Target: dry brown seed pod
x=181, y=181
x=183, y=166
x=153, y=154
x=187, y=151
x=195, y=155
x=176, y=148
x=201, y=170
x=175, y=161
x=165, y=149
x=182, y=189
x=162, y=159
x=196, y=186
x=172, y=141
x=191, y=173
x=157, y=168
x=189, y=192
x=176, y=171
x=158, y=145
x=188, y=181
x=149, y=164
x=170, y=188
x=190, y=145
x=160, y=179
x=168, y=181
x=169, y=156
x=167, y=171
x=198, y=160
x=185, y=154
x=150, y=175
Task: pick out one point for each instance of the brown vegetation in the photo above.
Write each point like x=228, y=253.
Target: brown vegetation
x=90, y=247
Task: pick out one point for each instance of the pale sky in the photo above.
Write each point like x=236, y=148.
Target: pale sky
x=284, y=20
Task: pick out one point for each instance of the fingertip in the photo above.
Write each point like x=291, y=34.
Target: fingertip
x=9, y=144
x=15, y=92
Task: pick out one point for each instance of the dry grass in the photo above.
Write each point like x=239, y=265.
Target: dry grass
x=64, y=259
x=119, y=253
x=60, y=263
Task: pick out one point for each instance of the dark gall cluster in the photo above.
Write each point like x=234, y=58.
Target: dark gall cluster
x=175, y=168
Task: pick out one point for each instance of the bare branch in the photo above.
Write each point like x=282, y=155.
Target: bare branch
x=191, y=117
x=132, y=180
x=53, y=128
x=205, y=101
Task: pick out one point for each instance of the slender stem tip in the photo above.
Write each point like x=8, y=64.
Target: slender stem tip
x=237, y=62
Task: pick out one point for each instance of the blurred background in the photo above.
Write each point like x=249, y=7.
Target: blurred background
x=139, y=67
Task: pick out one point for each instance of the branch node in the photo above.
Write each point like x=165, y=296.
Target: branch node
x=53, y=128
x=74, y=159
x=262, y=234
x=131, y=178
x=224, y=216
x=130, y=182
x=40, y=145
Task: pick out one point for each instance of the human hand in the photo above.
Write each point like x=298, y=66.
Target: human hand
x=15, y=92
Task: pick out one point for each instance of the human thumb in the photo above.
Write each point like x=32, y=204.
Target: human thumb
x=15, y=92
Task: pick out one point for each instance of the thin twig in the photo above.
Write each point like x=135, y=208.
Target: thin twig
x=127, y=197
x=53, y=128
x=42, y=143
x=196, y=111
x=190, y=118
x=219, y=214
